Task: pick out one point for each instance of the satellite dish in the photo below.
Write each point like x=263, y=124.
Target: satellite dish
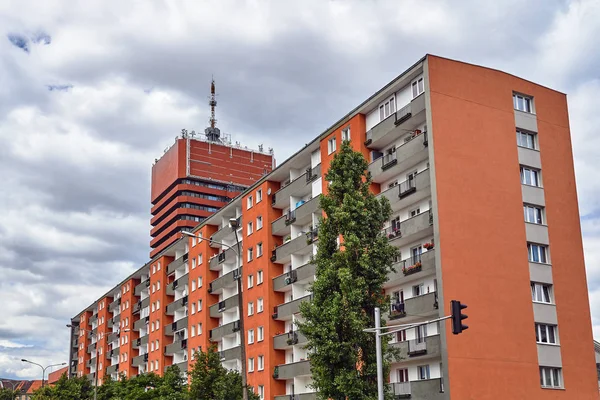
x=268, y=191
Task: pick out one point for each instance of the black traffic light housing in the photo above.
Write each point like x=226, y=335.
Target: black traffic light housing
x=458, y=317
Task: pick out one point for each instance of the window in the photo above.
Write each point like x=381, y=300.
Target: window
x=250, y=336
x=193, y=285
x=193, y=263
x=260, y=334
x=387, y=109
x=533, y=214
x=259, y=250
x=261, y=363
x=526, y=139
x=523, y=103
x=251, y=308
x=194, y=241
x=537, y=253
x=153, y=307
x=423, y=372
x=250, y=228
x=153, y=290
x=259, y=305
x=251, y=364
x=157, y=268
x=193, y=308
x=530, y=176
x=199, y=305
x=200, y=259
x=346, y=134
x=545, y=333
x=250, y=254
x=550, y=377
x=193, y=330
x=157, y=305
x=418, y=289
x=153, y=272
x=259, y=222
x=541, y=293
x=151, y=346
x=250, y=281
x=418, y=87
x=199, y=282
x=157, y=289
x=261, y=391
x=331, y=146
x=199, y=329
x=259, y=195
x=249, y=202
x=259, y=277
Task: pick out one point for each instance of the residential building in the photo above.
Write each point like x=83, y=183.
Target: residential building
x=478, y=169
x=54, y=376
x=24, y=388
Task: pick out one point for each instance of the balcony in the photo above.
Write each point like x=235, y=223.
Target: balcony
x=227, y=280
x=299, y=245
x=222, y=233
x=139, y=360
x=140, y=287
x=93, y=318
x=287, y=340
x=235, y=353
x=113, y=369
x=176, y=264
x=302, y=215
x=408, y=192
x=228, y=255
x=217, y=334
x=177, y=283
x=222, y=306
x=178, y=325
x=299, y=187
x=285, y=311
x=114, y=305
x=410, y=349
x=427, y=389
x=113, y=336
x=298, y=396
x=113, y=353
x=418, y=306
x=413, y=268
x=408, y=154
x=91, y=347
x=139, y=342
x=176, y=305
x=183, y=366
x=396, y=125
x=176, y=346
x=300, y=274
x=292, y=370
x=140, y=323
x=418, y=227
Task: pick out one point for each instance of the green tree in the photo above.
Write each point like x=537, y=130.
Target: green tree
x=211, y=381
x=8, y=394
x=349, y=283
x=66, y=389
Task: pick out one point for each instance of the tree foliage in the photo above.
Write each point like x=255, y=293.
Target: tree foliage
x=66, y=389
x=349, y=283
x=8, y=394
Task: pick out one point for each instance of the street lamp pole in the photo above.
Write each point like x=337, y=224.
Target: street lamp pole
x=97, y=357
x=42, y=367
x=233, y=222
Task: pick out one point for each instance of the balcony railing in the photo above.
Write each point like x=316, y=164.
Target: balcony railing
x=388, y=161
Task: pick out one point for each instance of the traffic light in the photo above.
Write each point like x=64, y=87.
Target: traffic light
x=458, y=317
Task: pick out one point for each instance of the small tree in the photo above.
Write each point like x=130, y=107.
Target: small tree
x=349, y=283
x=8, y=394
x=66, y=389
x=210, y=380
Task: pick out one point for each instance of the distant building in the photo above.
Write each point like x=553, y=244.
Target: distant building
x=597, y=351
x=53, y=377
x=24, y=387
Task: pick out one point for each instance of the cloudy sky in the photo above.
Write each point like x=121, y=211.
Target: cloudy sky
x=92, y=92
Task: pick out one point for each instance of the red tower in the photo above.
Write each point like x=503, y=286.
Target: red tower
x=197, y=176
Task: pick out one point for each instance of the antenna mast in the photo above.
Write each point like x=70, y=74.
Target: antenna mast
x=213, y=133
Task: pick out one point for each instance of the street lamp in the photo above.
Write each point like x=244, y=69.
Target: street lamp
x=234, y=224
x=43, y=368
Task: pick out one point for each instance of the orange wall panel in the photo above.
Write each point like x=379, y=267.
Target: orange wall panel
x=159, y=280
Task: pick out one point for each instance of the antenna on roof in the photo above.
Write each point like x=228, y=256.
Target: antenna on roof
x=212, y=133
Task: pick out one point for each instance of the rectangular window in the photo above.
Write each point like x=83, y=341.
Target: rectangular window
x=250, y=281
x=423, y=372
x=199, y=282
x=259, y=195
x=537, y=253
x=193, y=330
x=250, y=336
x=541, y=292
x=260, y=334
x=418, y=87
x=550, y=377
x=259, y=222
x=545, y=333
x=530, y=176
x=261, y=363
x=526, y=139
x=250, y=254
x=523, y=103
x=193, y=285
x=200, y=259
x=249, y=202
x=418, y=290
x=259, y=305
x=199, y=305
x=251, y=364
x=251, y=308
x=346, y=134
x=261, y=391
x=331, y=145
x=259, y=250
x=250, y=228
x=533, y=214
x=259, y=277
x=200, y=329
x=193, y=263
x=193, y=308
